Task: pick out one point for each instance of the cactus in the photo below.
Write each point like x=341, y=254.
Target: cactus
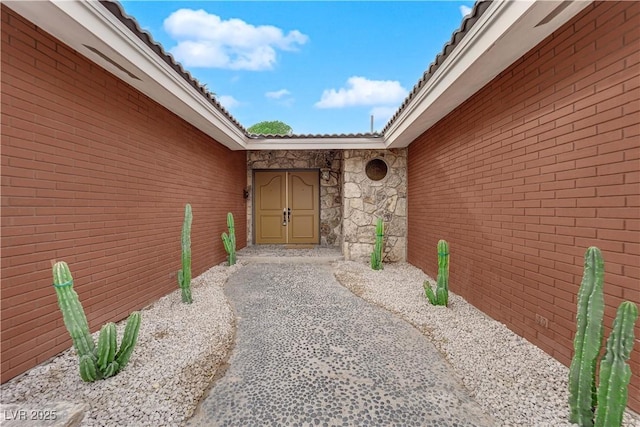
x=615, y=372
x=229, y=240
x=588, y=340
x=88, y=368
x=184, y=275
x=128, y=340
x=376, y=255
x=107, y=345
x=95, y=362
x=441, y=295
x=75, y=320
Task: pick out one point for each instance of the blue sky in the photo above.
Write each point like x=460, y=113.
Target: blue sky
x=321, y=67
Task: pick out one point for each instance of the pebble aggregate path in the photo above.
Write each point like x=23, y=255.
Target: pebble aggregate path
x=309, y=352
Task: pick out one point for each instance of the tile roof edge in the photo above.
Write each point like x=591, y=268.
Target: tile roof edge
x=255, y=136
x=467, y=23
x=117, y=10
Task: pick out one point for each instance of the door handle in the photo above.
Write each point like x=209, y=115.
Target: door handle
x=284, y=217
x=288, y=214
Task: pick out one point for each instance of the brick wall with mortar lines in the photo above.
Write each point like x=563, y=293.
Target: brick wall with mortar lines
x=96, y=174
x=537, y=166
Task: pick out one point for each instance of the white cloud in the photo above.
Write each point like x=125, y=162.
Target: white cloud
x=465, y=10
x=362, y=91
x=228, y=101
x=205, y=40
x=277, y=94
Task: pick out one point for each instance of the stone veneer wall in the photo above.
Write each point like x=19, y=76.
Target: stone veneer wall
x=365, y=200
x=330, y=191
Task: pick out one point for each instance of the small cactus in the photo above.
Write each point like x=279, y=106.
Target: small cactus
x=128, y=340
x=441, y=295
x=229, y=240
x=107, y=345
x=95, y=362
x=615, y=372
x=184, y=275
x=376, y=255
x=588, y=340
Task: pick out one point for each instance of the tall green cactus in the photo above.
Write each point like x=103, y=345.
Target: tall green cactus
x=376, y=255
x=229, y=240
x=95, y=362
x=184, y=275
x=441, y=295
x=588, y=340
x=615, y=372
x=73, y=316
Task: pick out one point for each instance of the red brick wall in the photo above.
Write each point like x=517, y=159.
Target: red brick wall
x=96, y=174
x=537, y=166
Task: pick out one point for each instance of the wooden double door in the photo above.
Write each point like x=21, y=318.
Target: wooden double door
x=287, y=207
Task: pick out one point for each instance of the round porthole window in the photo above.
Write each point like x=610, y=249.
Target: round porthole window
x=376, y=169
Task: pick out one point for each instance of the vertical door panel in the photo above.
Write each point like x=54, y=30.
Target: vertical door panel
x=304, y=192
x=270, y=200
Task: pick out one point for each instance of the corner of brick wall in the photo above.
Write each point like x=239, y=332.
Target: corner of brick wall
x=536, y=167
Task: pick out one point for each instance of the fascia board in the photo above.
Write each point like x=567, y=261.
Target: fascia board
x=497, y=40
x=316, y=144
x=120, y=38
x=492, y=25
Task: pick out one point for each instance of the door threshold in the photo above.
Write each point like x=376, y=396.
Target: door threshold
x=299, y=246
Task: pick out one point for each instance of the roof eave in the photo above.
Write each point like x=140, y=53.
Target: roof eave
x=88, y=27
x=316, y=143
x=493, y=43
x=505, y=31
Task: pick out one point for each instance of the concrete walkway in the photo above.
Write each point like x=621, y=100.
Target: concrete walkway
x=309, y=352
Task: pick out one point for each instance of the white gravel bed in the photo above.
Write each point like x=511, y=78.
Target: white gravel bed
x=180, y=347
x=511, y=379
